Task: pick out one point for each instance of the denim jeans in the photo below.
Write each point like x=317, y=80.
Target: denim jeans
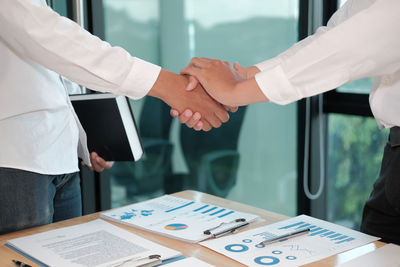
x=30, y=199
x=381, y=216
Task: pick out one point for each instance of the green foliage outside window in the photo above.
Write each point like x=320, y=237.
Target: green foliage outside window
x=355, y=149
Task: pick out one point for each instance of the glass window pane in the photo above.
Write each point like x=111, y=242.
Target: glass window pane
x=251, y=159
x=355, y=149
x=362, y=86
x=263, y=135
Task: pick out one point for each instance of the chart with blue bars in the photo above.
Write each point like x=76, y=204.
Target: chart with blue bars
x=322, y=240
x=181, y=218
x=333, y=236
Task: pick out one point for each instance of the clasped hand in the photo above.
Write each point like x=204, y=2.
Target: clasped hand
x=231, y=86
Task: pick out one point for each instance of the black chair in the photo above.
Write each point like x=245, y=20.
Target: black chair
x=212, y=157
x=147, y=176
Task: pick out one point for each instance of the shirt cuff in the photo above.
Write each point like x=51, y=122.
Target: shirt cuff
x=276, y=87
x=268, y=64
x=140, y=79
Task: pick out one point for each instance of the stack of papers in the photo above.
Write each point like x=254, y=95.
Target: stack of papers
x=96, y=243
x=177, y=218
x=323, y=240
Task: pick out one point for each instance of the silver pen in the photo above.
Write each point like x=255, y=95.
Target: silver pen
x=285, y=236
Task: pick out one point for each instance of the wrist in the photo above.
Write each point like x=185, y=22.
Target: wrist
x=252, y=71
x=247, y=92
x=168, y=85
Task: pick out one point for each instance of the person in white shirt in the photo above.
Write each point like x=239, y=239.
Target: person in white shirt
x=362, y=39
x=40, y=135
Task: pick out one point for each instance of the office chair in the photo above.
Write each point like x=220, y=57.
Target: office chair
x=212, y=157
x=147, y=176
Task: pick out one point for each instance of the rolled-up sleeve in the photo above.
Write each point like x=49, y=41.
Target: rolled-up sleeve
x=39, y=34
x=363, y=45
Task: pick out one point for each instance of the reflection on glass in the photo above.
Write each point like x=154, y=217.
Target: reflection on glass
x=355, y=148
x=259, y=164
x=251, y=159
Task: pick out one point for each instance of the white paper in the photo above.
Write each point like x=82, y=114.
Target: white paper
x=96, y=243
x=174, y=217
x=388, y=256
x=193, y=262
x=325, y=239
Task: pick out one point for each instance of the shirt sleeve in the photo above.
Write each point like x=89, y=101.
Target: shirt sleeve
x=37, y=33
x=359, y=41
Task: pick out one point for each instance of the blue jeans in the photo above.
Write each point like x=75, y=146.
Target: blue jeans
x=30, y=199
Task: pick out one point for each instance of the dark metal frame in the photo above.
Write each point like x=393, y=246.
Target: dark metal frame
x=333, y=102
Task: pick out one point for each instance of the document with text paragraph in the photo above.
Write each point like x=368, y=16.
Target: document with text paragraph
x=96, y=243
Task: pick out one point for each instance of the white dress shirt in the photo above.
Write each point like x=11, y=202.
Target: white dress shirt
x=362, y=39
x=38, y=127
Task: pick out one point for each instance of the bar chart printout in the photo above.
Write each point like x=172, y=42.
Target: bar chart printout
x=323, y=240
x=178, y=218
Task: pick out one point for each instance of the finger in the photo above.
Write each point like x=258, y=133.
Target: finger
x=193, y=83
x=222, y=115
x=193, y=120
x=214, y=121
x=231, y=109
x=185, y=116
x=93, y=160
x=174, y=113
x=240, y=69
x=102, y=164
x=200, y=62
x=192, y=71
x=206, y=126
x=198, y=126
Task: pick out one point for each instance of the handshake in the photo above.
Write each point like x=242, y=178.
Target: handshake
x=206, y=90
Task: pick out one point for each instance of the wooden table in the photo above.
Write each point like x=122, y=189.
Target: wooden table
x=189, y=250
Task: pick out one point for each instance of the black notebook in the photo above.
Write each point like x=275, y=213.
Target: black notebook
x=109, y=125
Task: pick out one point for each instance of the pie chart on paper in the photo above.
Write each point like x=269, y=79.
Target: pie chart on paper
x=176, y=226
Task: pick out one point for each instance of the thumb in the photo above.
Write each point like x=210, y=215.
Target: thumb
x=240, y=69
x=193, y=82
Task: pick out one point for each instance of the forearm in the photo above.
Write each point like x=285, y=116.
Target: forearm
x=245, y=93
x=37, y=33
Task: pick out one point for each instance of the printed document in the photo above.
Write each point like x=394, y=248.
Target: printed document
x=96, y=243
x=178, y=218
x=324, y=239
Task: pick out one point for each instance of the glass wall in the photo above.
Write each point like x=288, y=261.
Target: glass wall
x=251, y=159
x=355, y=149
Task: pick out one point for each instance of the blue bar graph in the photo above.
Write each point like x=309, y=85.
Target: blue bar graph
x=318, y=232
x=202, y=207
x=213, y=208
x=292, y=225
x=226, y=214
x=338, y=238
x=304, y=225
x=334, y=235
x=328, y=233
x=187, y=204
x=346, y=240
x=218, y=211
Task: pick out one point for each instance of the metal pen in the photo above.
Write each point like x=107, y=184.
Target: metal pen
x=22, y=264
x=285, y=236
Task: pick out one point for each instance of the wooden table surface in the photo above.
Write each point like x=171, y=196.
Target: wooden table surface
x=189, y=250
